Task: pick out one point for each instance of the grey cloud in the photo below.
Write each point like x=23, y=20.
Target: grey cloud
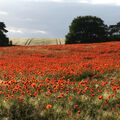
x=13, y=31
x=107, y=2
x=3, y=12
x=53, y=18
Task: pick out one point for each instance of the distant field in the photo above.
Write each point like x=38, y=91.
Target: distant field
x=37, y=41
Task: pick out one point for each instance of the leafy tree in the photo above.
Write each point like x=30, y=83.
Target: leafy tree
x=87, y=29
x=114, y=29
x=4, y=41
x=114, y=32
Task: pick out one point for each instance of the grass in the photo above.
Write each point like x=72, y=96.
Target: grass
x=63, y=105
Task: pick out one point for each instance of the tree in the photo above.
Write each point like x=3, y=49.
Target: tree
x=114, y=32
x=114, y=29
x=87, y=29
x=4, y=41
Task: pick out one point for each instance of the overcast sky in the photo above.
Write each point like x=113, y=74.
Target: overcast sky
x=51, y=18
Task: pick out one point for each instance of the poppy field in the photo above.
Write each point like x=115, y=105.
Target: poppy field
x=60, y=82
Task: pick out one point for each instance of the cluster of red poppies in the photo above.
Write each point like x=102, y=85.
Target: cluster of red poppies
x=33, y=70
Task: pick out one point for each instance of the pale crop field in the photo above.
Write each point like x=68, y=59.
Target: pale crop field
x=37, y=41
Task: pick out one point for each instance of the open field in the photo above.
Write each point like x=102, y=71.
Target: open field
x=37, y=41
x=60, y=82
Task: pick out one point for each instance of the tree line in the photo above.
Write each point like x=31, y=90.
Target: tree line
x=91, y=29
x=83, y=29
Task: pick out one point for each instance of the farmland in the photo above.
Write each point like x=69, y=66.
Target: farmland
x=37, y=41
x=60, y=82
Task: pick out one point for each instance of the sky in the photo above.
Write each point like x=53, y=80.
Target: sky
x=52, y=18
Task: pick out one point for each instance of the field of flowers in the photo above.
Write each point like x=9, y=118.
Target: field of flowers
x=60, y=82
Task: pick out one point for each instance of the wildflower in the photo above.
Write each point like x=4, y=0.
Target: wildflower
x=33, y=85
x=48, y=107
x=69, y=112
x=23, y=93
x=117, y=114
x=70, y=97
x=93, y=95
x=101, y=97
x=35, y=94
x=99, y=91
x=78, y=112
x=63, y=95
x=78, y=115
x=91, y=91
x=118, y=105
x=59, y=97
x=61, y=91
x=75, y=106
x=106, y=101
x=108, y=96
x=12, y=96
x=113, y=108
x=41, y=91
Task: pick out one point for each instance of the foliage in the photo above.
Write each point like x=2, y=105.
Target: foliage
x=114, y=29
x=114, y=32
x=87, y=29
x=4, y=41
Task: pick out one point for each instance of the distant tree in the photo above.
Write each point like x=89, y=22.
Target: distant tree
x=87, y=29
x=114, y=32
x=114, y=29
x=4, y=41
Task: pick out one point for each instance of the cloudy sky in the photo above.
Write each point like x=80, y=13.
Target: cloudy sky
x=51, y=18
